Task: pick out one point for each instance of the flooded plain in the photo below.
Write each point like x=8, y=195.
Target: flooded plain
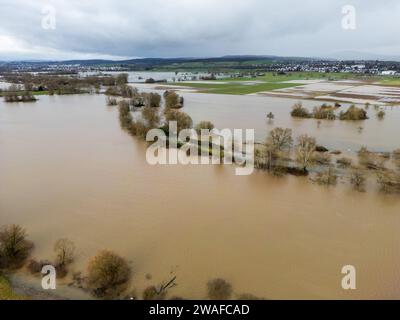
x=68, y=170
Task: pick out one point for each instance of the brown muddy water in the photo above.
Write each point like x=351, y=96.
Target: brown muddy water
x=246, y=112
x=68, y=170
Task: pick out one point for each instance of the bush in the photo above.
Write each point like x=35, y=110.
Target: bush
x=35, y=267
x=370, y=160
x=389, y=181
x=206, y=125
x=298, y=111
x=172, y=100
x=327, y=177
x=111, y=101
x=344, y=162
x=153, y=100
x=108, y=275
x=354, y=113
x=184, y=121
x=322, y=158
x=324, y=112
x=151, y=116
x=381, y=114
x=14, y=248
x=357, y=180
x=125, y=117
x=219, y=289
x=65, y=254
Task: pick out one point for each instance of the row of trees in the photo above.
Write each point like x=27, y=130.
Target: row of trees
x=276, y=156
x=329, y=112
x=61, y=84
x=151, y=115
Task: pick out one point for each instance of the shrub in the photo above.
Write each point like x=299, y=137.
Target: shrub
x=14, y=248
x=108, y=275
x=322, y=158
x=344, y=162
x=270, y=116
x=153, y=100
x=357, y=179
x=389, y=181
x=370, y=160
x=381, y=114
x=151, y=116
x=35, y=267
x=298, y=111
x=172, y=100
x=354, y=113
x=324, y=112
x=65, y=254
x=327, y=177
x=206, y=125
x=111, y=101
x=184, y=121
x=125, y=117
x=219, y=289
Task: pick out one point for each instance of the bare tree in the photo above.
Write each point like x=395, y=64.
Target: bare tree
x=305, y=150
x=65, y=251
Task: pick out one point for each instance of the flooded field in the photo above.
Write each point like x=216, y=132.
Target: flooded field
x=345, y=91
x=227, y=111
x=68, y=170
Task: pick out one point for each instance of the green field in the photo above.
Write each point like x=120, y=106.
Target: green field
x=272, y=81
x=35, y=93
x=236, y=88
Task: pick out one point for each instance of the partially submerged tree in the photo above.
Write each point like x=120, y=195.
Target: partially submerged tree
x=281, y=139
x=358, y=179
x=278, y=142
x=219, y=289
x=381, y=114
x=152, y=100
x=353, y=113
x=184, y=121
x=108, y=275
x=305, y=149
x=204, y=125
x=327, y=177
x=151, y=116
x=298, y=111
x=172, y=100
x=65, y=254
x=389, y=181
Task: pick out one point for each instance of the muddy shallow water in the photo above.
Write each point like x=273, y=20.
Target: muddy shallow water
x=68, y=170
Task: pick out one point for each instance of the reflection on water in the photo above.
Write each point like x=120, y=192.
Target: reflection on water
x=68, y=170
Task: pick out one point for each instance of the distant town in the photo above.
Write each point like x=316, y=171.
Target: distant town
x=245, y=64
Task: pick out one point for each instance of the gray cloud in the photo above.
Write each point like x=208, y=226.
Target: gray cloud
x=160, y=28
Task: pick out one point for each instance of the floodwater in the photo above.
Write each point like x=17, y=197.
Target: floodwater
x=142, y=76
x=68, y=170
x=250, y=112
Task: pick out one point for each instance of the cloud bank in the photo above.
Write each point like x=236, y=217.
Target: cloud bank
x=195, y=28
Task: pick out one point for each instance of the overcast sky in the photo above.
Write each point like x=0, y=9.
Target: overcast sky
x=195, y=28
